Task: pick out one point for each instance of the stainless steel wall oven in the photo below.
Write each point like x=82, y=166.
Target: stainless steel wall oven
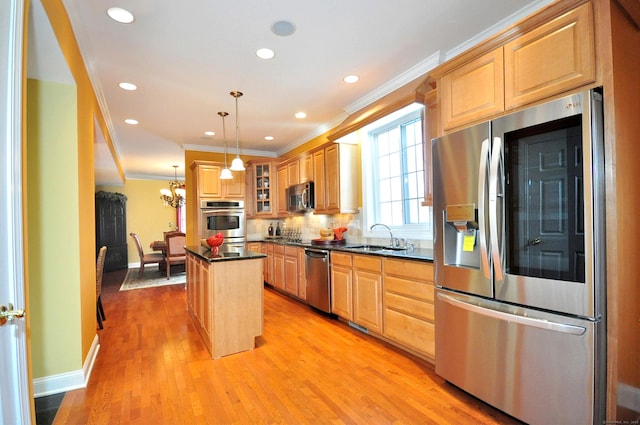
x=226, y=217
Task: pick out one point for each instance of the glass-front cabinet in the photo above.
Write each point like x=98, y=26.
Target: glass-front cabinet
x=264, y=191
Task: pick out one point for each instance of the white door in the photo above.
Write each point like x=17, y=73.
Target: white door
x=15, y=391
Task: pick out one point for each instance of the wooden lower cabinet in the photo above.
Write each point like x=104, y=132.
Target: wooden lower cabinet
x=367, y=292
x=291, y=270
x=341, y=285
x=409, y=305
x=226, y=302
x=302, y=275
x=268, y=266
x=278, y=266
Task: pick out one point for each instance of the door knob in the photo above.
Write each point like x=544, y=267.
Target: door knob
x=536, y=241
x=8, y=314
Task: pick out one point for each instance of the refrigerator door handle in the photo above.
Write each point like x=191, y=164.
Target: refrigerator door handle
x=495, y=176
x=482, y=185
x=521, y=320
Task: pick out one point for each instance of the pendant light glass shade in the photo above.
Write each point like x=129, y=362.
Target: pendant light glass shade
x=225, y=174
x=237, y=164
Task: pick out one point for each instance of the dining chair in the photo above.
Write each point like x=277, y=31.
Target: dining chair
x=154, y=258
x=175, y=253
x=99, y=272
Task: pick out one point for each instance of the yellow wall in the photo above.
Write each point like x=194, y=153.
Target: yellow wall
x=53, y=237
x=61, y=212
x=146, y=215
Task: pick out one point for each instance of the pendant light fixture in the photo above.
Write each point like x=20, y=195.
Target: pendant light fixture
x=237, y=164
x=176, y=194
x=225, y=174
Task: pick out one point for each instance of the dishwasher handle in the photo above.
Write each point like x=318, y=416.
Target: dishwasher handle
x=324, y=255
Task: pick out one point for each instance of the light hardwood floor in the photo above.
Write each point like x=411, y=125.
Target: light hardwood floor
x=307, y=368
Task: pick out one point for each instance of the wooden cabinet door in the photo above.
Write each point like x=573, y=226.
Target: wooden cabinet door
x=367, y=299
x=269, y=263
x=291, y=270
x=551, y=59
x=234, y=188
x=302, y=275
x=332, y=177
x=282, y=179
x=341, y=285
x=431, y=130
x=209, y=181
x=318, y=180
x=306, y=168
x=278, y=267
x=293, y=173
x=473, y=91
x=249, y=189
x=367, y=292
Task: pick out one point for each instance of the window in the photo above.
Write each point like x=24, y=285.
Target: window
x=393, y=174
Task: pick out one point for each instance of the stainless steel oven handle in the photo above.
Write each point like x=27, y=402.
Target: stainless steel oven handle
x=495, y=177
x=222, y=211
x=482, y=184
x=514, y=318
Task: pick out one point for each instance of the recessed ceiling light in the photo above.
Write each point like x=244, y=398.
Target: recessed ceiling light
x=128, y=86
x=350, y=79
x=268, y=138
x=209, y=133
x=121, y=15
x=283, y=28
x=131, y=121
x=301, y=115
x=265, y=53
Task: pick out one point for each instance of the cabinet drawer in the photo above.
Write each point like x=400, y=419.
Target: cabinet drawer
x=341, y=259
x=367, y=262
x=414, y=270
x=278, y=249
x=291, y=251
x=409, y=331
x=409, y=288
x=416, y=308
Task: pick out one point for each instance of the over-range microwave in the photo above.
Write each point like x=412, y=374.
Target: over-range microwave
x=300, y=198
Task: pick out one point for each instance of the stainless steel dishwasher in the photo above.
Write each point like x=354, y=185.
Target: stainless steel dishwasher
x=318, y=279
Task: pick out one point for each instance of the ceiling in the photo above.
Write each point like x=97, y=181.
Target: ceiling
x=185, y=58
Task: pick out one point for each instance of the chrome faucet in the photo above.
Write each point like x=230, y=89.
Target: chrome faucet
x=391, y=238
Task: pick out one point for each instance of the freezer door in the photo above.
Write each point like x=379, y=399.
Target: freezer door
x=535, y=366
x=460, y=197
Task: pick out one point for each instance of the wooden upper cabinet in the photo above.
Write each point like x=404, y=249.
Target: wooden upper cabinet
x=293, y=173
x=282, y=180
x=209, y=181
x=306, y=168
x=207, y=175
x=318, y=179
x=431, y=131
x=473, y=91
x=556, y=57
x=234, y=188
x=332, y=177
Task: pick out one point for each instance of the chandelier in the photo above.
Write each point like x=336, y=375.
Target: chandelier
x=175, y=195
x=237, y=164
x=226, y=172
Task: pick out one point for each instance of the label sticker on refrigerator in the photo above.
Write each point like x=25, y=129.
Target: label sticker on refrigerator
x=469, y=242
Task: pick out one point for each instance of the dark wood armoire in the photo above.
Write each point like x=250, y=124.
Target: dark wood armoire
x=111, y=228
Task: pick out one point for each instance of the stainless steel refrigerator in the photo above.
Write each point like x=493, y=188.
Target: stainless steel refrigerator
x=520, y=263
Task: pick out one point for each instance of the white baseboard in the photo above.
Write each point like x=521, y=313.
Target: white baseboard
x=68, y=381
x=629, y=397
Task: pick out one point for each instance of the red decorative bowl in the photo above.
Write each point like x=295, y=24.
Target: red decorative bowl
x=214, y=242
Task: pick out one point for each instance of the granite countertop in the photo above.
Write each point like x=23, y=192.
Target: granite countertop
x=223, y=254
x=420, y=254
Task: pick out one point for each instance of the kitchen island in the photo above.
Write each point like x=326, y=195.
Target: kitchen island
x=225, y=298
